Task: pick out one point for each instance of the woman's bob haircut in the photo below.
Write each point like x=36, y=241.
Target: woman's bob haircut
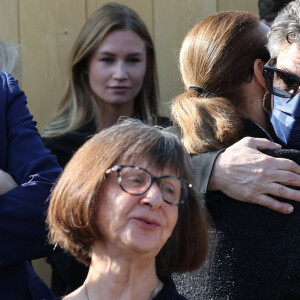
x=76, y=198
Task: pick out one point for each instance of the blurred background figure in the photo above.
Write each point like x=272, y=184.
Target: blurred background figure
x=268, y=9
x=112, y=73
x=10, y=59
x=135, y=218
x=27, y=173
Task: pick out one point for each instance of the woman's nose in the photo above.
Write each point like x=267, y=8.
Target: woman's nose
x=120, y=72
x=153, y=197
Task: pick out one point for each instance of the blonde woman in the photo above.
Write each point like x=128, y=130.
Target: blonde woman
x=112, y=73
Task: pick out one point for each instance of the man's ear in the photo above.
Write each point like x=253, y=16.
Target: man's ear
x=258, y=72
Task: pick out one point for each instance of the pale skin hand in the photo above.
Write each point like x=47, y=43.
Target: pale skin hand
x=244, y=173
x=7, y=183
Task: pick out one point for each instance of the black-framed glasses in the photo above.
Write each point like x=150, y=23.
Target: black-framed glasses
x=281, y=83
x=137, y=181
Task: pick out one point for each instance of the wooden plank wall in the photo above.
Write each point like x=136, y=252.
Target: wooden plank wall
x=47, y=29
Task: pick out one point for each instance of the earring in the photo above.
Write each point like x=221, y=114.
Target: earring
x=266, y=102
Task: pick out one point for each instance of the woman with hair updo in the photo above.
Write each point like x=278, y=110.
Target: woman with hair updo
x=217, y=69
x=112, y=73
x=124, y=206
x=226, y=105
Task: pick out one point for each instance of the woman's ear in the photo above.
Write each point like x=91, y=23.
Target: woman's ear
x=258, y=72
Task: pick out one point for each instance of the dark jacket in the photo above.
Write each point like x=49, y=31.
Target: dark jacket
x=255, y=251
x=22, y=210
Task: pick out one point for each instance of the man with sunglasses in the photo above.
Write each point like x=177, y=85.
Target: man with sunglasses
x=282, y=75
x=238, y=163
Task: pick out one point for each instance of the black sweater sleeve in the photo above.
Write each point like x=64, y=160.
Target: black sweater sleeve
x=202, y=165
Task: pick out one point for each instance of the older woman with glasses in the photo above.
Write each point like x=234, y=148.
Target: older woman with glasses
x=124, y=205
x=255, y=254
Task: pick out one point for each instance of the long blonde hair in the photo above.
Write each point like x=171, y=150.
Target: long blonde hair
x=217, y=55
x=77, y=107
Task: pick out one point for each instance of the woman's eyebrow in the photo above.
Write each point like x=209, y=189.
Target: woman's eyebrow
x=113, y=54
x=106, y=53
x=135, y=54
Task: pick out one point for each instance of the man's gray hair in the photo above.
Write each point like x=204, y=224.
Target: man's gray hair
x=286, y=28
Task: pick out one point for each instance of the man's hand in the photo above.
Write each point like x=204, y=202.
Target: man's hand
x=246, y=174
x=7, y=183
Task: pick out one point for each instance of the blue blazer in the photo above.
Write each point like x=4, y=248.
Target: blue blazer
x=22, y=210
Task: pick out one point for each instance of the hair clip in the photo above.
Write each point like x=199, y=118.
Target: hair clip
x=196, y=88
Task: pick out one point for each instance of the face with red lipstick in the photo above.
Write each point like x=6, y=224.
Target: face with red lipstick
x=138, y=223
x=117, y=68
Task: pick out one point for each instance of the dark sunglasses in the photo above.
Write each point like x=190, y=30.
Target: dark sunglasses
x=281, y=83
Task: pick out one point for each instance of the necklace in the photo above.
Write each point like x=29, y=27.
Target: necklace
x=153, y=294
x=155, y=291
x=86, y=292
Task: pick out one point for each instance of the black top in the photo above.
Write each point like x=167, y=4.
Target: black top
x=255, y=252
x=66, y=145
x=168, y=293
x=67, y=273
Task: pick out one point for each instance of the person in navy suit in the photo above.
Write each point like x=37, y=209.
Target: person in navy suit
x=28, y=171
